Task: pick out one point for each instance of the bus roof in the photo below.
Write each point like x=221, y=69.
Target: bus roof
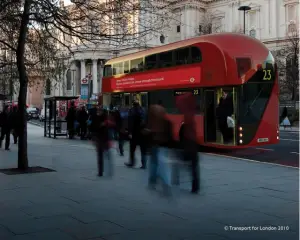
x=217, y=39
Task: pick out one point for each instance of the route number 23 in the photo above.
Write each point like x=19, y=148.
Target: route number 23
x=267, y=75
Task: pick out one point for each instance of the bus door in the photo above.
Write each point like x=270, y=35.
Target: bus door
x=213, y=133
x=210, y=116
x=232, y=95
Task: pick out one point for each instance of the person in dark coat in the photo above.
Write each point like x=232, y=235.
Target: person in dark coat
x=136, y=125
x=120, y=129
x=70, y=118
x=224, y=110
x=15, y=124
x=5, y=123
x=82, y=120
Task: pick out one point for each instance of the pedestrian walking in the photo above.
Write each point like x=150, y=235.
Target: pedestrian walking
x=103, y=140
x=15, y=124
x=136, y=124
x=5, y=123
x=120, y=129
x=161, y=141
x=82, y=120
x=187, y=105
x=71, y=118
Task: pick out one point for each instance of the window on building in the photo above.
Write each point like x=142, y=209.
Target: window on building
x=137, y=65
x=209, y=28
x=292, y=28
x=291, y=13
x=69, y=80
x=107, y=71
x=252, y=33
x=196, y=55
x=166, y=59
x=126, y=67
x=151, y=62
x=252, y=19
x=178, y=28
x=182, y=56
x=200, y=28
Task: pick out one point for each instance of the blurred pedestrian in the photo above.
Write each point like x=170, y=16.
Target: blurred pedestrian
x=5, y=124
x=187, y=105
x=15, y=124
x=71, y=118
x=161, y=134
x=103, y=139
x=136, y=124
x=82, y=120
x=120, y=129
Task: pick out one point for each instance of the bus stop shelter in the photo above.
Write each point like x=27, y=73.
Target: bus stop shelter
x=53, y=125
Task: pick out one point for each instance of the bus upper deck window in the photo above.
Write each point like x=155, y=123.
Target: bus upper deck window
x=137, y=65
x=182, y=56
x=151, y=62
x=166, y=59
x=126, y=67
x=107, y=71
x=196, y=55
x=118, y=68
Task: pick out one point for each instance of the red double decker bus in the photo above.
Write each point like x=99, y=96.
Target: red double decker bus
x=205, y=66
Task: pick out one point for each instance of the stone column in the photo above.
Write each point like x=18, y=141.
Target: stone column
x=266, y=19
x=83, y=69
x=95, y=75
x=100, y=77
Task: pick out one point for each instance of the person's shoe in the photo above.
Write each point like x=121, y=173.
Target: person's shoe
x=100, y=174
x=128, y=165
x=122, y=154
x=15, y=142
x=195, y=191
x=143, y=167
x=7, y=149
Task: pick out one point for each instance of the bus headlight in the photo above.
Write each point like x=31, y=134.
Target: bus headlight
x=241, y=141
x=241, y=129
x=277, y=137
x=241, y=134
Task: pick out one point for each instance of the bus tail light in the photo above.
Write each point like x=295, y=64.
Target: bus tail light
x=240, y=135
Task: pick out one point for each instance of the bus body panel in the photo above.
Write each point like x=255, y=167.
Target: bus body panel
x=218, y=68
x=268, y=129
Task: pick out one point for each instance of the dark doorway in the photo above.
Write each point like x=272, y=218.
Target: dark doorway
x=210, y=116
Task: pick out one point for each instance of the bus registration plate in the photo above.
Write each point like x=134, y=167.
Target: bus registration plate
x=261, y=140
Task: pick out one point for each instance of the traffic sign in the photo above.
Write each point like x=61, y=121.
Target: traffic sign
x=84, y=81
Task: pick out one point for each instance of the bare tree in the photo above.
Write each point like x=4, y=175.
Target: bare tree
x=84, y=22
x=209, y=24
x=287, y=59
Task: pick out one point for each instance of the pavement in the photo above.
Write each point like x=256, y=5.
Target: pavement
x=284, y=153
x=238, y=199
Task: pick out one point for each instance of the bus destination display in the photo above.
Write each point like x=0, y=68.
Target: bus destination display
x=180, y=92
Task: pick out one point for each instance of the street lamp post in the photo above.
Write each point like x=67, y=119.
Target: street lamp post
x=244, y=8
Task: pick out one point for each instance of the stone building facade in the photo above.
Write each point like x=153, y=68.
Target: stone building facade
x=270, y=21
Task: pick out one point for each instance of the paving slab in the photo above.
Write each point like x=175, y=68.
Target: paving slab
x=74, y=203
